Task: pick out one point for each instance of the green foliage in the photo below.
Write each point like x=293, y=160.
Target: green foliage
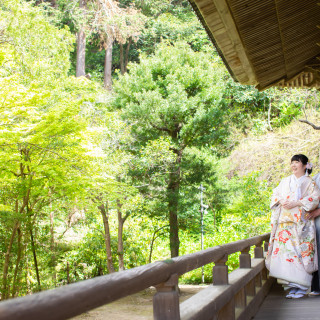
x=171, y=27
x=250, y=206
x=287, y=112
x=174, y=88
x=259, y=112
x=67, y=147
x=42, y=55
x=43, y=154
x=169, y=97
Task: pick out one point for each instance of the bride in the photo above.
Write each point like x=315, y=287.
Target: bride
x=291, y=255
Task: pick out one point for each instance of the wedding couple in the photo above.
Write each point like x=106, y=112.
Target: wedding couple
x=294, y=243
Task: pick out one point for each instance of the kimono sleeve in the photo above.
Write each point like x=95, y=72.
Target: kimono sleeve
x=311, y=201
x=276, y=196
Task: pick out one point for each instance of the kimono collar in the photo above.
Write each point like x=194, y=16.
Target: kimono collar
x=295, y=185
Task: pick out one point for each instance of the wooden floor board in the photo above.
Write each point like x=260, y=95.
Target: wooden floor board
x=276, y=307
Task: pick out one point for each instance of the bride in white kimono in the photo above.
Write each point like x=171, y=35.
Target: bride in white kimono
x=291, y=255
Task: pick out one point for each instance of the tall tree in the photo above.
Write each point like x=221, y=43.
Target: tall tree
x=176, y=94
x=40, y=128
x=115, y=23
x=81, y=43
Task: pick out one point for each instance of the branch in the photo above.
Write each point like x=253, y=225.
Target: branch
x=126, y=216
x=310, y=124
x=160, y=128
x=178, y=151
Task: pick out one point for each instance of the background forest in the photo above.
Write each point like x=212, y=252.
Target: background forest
x=112, y=115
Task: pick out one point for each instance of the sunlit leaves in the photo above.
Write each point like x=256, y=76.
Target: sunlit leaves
x=175, y=87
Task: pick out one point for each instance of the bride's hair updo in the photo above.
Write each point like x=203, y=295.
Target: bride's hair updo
x=303, y=159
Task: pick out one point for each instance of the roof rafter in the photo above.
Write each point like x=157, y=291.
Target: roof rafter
x=265, y=42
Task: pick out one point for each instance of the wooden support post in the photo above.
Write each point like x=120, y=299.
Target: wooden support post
x=228, y=311
x=245, y=258
x=166, y=300
x=241, y=299
x=266, y=246
x=258, y=251
x=251, y=288
x=220, y=272
x=264, y=274
x=258, y=280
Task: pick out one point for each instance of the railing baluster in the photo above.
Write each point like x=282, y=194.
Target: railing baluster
x=228, y=311
x=258, y=254
x=258, y=280
x=264, y=273
x=241, y=299
x=251, y=288
x=258, y=251
x=166, y=300
x=245, y=258
x=220, y=277
x=220, y=271
x=266, y=246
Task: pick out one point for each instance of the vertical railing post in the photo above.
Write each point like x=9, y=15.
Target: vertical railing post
x=258, y=251
x=240, y=299
x=245, y=258
x=266, y=246
x=220, y=277
x=220, y=271
x=264, y=273
x=166, y=300
x=244, y=262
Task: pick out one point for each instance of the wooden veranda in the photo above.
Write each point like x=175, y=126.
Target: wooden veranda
x=236, y=295
x=245, y=293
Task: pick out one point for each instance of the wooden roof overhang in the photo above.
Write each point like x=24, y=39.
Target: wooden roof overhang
x=265, y=42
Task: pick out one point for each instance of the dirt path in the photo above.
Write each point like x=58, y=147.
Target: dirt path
x=135, y=307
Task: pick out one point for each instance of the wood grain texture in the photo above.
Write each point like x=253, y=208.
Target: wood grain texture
x=208, y=302
x=276, y=307
x=265, y=43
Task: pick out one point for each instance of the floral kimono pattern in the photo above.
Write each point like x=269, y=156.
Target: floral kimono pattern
x=292, y=247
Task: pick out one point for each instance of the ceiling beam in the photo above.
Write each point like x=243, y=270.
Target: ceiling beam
x=228, y=21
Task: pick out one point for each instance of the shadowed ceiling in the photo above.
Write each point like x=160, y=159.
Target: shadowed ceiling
x=265, y=42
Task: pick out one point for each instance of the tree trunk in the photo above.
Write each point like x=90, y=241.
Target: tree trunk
x=269, y=116
x=104, y=209
x=16, y=279
x=173, y=201
x=5, y=292
x=81, y=53
x=121, y=59
x=35, y=259
x=81, y=47
x=54, y=4
x=108, y=66
x=154, y=237
x=24, y=152
x=120, y=235
x=127, y=55
x=53, y=248
x=68, y=273
x=27, y=274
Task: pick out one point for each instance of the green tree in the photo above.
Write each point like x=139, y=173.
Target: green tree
x=176, y=94
x=43, y=154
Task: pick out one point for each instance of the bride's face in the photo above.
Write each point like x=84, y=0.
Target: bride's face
x=298, y=168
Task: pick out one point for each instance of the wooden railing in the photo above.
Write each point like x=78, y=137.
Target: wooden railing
x=234, y=296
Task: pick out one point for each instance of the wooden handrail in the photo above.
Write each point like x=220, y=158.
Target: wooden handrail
x=77, y=298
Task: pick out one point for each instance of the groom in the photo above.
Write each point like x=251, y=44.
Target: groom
x=315, y=214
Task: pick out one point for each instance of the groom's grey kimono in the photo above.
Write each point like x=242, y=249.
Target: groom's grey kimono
x=315, y=286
